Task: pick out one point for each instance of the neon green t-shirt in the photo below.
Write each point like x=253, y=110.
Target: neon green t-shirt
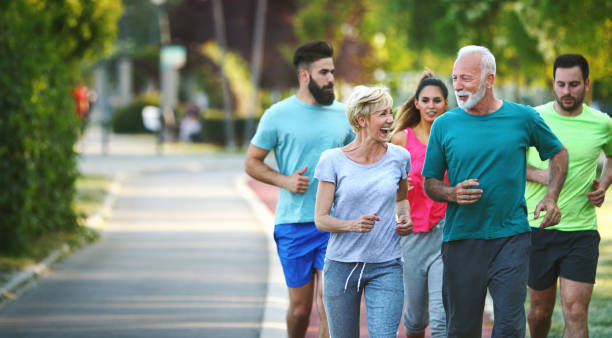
x=584, y=136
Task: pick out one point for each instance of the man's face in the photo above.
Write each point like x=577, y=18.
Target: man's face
x=570, y=88
x=468, y=82
x=321, y=84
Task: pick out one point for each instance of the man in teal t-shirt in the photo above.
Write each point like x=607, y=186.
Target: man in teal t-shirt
x=482, y=144
x=299, y=129
x=569, y=250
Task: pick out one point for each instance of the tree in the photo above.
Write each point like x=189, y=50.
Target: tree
x=43, y=43
x=524, y=35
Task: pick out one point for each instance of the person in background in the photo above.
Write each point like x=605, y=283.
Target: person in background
x=365, y=184
x=568, y=251
x=483, y=146
x=81, y=100
x=299, y=129
x=190, y=129
x=421, y=249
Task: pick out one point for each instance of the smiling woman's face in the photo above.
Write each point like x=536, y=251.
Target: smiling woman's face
x=431, y=103
x=379, y=124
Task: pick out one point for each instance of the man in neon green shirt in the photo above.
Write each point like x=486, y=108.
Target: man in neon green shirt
x=570, y=249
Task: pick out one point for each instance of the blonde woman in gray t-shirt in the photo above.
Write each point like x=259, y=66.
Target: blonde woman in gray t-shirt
x=365, y=184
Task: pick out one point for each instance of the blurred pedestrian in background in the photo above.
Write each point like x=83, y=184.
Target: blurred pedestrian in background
x=190, y=129
x=81, y=100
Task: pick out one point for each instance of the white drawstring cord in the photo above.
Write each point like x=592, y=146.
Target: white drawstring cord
x=349, y=276
x=361, y=274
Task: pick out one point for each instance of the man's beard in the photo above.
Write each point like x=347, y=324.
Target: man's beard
x=320, y=95
x=577, y=101
x=473, y=98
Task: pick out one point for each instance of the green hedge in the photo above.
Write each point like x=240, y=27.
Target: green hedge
x=41, y=44
x=214, y=130
x=128, y=119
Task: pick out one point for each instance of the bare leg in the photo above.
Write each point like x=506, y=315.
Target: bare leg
x=422, y=335
x=575, y=297
x=541, y=309
x=323, y=327
x=300, y=305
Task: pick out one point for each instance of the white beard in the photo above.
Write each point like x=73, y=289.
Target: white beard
x=473, y=98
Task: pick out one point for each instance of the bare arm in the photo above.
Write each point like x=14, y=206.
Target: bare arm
x=402, y=207
x=600, y=186
x=557, y=174
x=254, y=166
x=325, y=222
x=537, y=175
x=462, y=193
x=399, y=138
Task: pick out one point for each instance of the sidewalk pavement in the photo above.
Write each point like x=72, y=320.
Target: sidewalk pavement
x=181, y=254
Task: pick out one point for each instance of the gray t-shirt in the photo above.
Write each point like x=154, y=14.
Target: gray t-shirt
x=363, y=189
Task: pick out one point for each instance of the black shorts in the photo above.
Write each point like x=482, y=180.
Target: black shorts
x=572, y=255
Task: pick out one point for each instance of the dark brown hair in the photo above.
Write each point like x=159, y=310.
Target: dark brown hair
x=308, y=53
x=407, y=114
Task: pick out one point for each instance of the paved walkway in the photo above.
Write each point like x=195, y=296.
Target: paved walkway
x=181, y=255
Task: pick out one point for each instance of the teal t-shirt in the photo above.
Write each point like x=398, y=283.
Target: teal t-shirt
x=299, y=133
x=584, y=136
x=491, y=148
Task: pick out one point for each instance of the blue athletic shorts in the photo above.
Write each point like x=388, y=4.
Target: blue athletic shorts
x=301, y=249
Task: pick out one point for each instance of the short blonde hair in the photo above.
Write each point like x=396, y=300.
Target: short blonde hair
x=365, y=100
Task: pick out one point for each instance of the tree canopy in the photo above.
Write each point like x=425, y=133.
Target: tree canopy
x=524, y=35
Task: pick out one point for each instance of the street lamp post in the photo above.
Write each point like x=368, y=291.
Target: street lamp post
x=164, y=34
x=219, y=22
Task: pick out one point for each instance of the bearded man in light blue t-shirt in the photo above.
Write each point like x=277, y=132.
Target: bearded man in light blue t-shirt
x=299, y=129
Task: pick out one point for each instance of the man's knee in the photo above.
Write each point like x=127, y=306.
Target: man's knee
x=299, y=313
x=539, y=314
x=575, y=313
x=300, y=310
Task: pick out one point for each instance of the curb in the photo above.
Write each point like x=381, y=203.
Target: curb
x=98, y=219
x=273, y=324
x=18, y=281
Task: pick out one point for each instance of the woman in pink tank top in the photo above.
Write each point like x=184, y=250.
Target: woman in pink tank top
x=421, y=249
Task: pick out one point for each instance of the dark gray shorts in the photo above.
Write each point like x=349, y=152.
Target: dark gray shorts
x=472, y=266
x=570, y=254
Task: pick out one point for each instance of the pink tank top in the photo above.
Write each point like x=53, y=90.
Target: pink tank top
x=424, y=211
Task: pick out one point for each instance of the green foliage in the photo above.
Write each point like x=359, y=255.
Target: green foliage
x=237, y=72
x=42, y=42
x=524, y=35
x=213, y=130
x=128, y=119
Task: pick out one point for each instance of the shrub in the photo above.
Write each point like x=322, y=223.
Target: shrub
x=128, y=119
x=214, y=130
x=41, y=44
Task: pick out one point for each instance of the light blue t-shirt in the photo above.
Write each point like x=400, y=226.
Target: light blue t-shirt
x=491, y=148
x=298, y=133
x=363, y=189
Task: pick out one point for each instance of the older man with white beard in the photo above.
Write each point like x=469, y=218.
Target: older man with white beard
x=482, y=144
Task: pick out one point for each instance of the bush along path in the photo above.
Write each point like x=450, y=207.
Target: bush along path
x=94, y=198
